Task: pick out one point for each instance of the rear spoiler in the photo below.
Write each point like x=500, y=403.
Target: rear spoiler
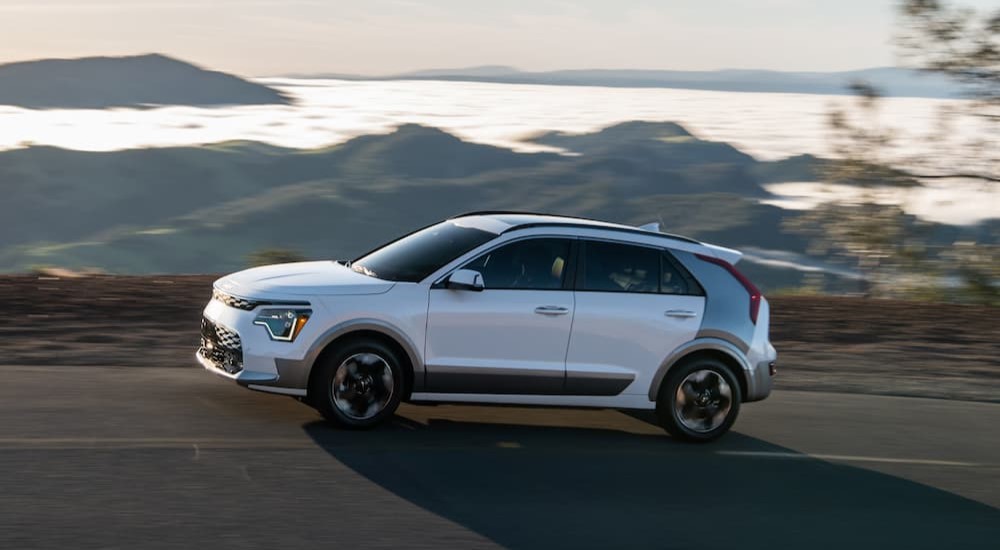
x=728, y=254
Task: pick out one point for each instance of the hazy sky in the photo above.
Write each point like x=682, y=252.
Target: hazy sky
x=262, y=37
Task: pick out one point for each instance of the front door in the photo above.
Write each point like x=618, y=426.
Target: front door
x=511, y=337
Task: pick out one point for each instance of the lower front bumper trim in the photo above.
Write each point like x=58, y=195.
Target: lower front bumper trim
x=244, y=377
x=275, y=389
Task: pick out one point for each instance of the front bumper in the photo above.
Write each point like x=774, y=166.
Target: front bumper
x=235, y=349
x=243, y=378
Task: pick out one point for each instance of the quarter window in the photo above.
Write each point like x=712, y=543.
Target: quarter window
x=674, y=279
x=531, y=264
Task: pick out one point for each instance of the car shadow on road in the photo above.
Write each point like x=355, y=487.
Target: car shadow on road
x=557, y=487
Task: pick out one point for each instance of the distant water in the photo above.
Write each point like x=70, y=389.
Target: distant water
x=955, y=202
x=765, y=125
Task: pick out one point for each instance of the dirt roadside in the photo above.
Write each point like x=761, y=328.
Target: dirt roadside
x=829, y=344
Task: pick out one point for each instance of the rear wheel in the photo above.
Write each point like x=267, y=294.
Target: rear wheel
x=699, y=400
x=359, y=385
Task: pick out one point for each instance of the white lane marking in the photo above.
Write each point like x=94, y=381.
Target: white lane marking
x=83, y=443
x=849, y=458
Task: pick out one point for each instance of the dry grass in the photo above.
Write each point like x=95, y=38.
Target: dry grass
x=824, y=343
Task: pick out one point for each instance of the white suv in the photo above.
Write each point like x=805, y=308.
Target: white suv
x=503, y=307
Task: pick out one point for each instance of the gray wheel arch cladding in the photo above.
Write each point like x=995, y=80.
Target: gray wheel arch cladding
x=703, y=345
x=296, y=373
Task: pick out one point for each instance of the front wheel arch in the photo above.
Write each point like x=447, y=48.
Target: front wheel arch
x=364, y=334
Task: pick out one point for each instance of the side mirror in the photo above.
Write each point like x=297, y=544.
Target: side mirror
x=466, y=279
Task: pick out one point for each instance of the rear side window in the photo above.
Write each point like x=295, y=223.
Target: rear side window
x=531, y=264
x=615, y=267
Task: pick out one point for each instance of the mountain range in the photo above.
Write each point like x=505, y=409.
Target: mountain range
x=200, y=209
x=156, y=79
x=206, y=209
x=890, y=81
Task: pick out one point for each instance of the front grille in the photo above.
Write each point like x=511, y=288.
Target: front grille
x=221, y=346
x=234, y=301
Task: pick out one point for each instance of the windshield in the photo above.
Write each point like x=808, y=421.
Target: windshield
x=419, y=254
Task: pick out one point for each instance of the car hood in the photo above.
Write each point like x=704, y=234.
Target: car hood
x=301, y=279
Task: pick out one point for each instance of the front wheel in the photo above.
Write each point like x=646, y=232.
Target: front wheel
x=359, y=385
x=699, y=400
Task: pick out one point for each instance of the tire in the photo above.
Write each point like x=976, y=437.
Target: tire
x=692, y=404
x=359, y=385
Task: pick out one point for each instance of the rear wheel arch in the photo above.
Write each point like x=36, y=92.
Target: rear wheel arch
x=699, y=399
x=709, y=351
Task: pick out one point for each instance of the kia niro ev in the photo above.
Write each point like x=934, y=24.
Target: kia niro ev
x=503, y=307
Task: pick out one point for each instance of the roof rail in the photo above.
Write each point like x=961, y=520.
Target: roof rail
x=515, y=213
x=624, y=229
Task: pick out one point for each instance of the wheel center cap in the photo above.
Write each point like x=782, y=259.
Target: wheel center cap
x=364, y=385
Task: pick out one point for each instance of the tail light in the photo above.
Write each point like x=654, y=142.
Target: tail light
x=751, y=289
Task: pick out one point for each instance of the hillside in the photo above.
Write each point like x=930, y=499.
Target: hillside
x=134, y=81
x=197, y=209
x=153, y=210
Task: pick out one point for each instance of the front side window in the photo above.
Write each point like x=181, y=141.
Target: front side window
x=614, y=267
x=417, y=255
x=531, y=264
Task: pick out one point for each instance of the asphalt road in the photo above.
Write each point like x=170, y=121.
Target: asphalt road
x=94, y=457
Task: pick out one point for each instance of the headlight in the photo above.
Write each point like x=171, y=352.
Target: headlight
x=283, y=324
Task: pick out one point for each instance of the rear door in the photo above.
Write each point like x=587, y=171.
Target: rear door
x=512, y=337
x=634, y=306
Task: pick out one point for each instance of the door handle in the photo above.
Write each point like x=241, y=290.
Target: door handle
x=680, y=313
x=551, y=310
